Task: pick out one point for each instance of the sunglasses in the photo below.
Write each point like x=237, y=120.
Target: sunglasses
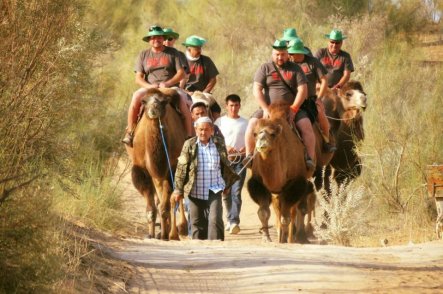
x=335, y=42
x=170, y=39
x=155, y=28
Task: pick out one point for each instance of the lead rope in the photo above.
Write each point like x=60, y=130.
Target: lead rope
x=167, y=158
x=247, y=163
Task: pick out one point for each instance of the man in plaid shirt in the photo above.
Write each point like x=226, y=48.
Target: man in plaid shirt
x=203, y=172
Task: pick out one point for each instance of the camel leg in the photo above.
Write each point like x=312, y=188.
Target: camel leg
x=285, y=218
x=143, y=183
x=291, y=231
x=263, y=214
x=276, y=206
x=183, y=224
x=300, y=234
x=164, y=191
x=173, y=234
x=262, y=197
x=311, y=213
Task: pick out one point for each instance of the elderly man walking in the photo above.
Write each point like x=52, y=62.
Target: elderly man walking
x=337, y=62
x=202, y=173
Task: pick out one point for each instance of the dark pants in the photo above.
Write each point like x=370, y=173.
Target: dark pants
x=206, y=217
x=232, y=199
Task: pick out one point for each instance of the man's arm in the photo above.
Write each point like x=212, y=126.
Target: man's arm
x=140, y=80
x=181, y=170
x=210, y=85
x=344, y=79
x=323, y=86
x=174, y=80
x=302, y=93
x=257, y=90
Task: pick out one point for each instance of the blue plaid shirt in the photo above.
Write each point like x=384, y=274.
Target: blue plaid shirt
x=208, y=171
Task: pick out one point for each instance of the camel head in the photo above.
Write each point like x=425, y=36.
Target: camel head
x=266, y=133
x=154, y=103
x=352, y=96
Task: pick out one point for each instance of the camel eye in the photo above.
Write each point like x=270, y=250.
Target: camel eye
x=255, y=135
x=144, y=102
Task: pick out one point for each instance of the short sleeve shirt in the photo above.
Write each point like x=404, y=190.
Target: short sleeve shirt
x=335, y=64
x=201, y=72
x=274, y=88
x=313, y=71
x=158, y=67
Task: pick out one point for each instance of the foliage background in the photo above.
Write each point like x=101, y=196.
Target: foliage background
x=67, y=78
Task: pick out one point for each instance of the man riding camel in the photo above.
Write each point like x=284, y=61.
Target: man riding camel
x=157, y=67
x=280, y=80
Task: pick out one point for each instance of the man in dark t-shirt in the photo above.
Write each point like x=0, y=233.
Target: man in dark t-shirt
x=202, y=70
x=315, y=73
x=269, y=88
x=157, y=67
x=337, y=62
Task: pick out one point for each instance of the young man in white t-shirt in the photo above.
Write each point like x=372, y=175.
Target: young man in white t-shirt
x=233, y=128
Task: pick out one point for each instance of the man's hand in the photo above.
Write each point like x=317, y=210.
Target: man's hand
x=163, y=85
x=265, y=113
x=231, y=149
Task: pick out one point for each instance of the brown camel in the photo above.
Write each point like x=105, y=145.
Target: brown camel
x=279, y=175
x=151, y=174
x=344, y=109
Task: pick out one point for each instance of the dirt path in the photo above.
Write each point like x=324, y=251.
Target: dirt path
x=243, y=264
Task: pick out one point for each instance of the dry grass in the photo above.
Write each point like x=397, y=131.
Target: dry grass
x=341, y=214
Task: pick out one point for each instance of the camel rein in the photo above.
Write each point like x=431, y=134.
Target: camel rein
x=167, y=158
x=166, y=151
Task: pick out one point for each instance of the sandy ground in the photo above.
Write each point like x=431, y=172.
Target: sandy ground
x=244, y=264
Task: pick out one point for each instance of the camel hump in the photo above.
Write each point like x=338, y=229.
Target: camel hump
x=354, y=85
x=279, y=110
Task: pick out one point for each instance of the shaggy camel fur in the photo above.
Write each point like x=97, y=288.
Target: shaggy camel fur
x=345, y=111
x=279, y=175
x=150, y=171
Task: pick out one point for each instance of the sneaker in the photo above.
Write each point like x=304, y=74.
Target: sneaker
x=327, y=147
x=227, y=227
x=247, y=161
x=234, y=230
x=128, y=139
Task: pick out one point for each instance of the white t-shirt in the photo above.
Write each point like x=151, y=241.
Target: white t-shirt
x=233, y=129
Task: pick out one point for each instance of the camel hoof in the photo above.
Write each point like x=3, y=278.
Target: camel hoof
x=266, y=239
x=183, y=230
x=174, y=237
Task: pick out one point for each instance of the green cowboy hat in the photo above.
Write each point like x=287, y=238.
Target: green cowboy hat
x=170, y=33
x=336, y=35
x=280, y=44
x=194, y=41
x=296, y=46
x=289, y=34
x=154, y=31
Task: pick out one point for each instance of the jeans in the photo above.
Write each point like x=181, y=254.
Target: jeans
x=206, y=217
x=232, y=199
